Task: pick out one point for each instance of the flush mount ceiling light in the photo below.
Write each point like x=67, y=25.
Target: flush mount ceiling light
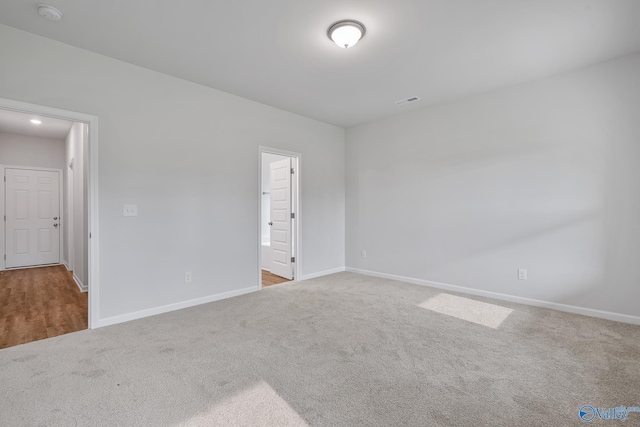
x=49, y=12
x=35, y=121
x=346, y=33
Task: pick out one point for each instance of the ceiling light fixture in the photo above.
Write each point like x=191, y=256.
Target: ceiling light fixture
x=49, y=12
x=35, y=121
x=346, y=33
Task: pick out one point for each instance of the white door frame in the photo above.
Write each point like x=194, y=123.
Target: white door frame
x=3, y=237
x=295, y=190
x=69, y=216
x=92, y=190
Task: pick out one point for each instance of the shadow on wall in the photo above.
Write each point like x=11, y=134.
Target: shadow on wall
x=541, y=176
x=485, y=215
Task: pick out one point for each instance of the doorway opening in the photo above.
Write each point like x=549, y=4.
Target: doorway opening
x=47, y=267
x=279, y=216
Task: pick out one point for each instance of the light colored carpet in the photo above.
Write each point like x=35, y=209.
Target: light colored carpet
x=334, y=351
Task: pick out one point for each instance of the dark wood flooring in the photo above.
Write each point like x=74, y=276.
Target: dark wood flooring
x=269, y=279
x=38, y=303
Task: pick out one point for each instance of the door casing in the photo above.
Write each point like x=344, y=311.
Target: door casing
x=70, y=218
x=92, y=194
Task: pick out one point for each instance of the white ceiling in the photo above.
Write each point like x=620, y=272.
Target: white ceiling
x=19, y=123
x=277, y=52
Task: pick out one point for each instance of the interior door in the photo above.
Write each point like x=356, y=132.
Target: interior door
x=280, y=211
x=32, y=209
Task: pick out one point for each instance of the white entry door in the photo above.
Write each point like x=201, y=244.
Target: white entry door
x=33, y=217
x=280, y=210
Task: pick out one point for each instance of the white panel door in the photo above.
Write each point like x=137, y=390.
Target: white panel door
x=280, y=182
x=33, y=217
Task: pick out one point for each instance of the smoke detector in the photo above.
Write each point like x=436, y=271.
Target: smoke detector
x=49, y=12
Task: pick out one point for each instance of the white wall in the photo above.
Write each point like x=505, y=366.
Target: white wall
x=187, y=155
x=75, y=149
x=22, y=150
x=542, y=176
x=267, y=159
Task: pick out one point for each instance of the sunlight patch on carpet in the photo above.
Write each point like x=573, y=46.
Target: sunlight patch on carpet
x=478, y=312
x=259, y=405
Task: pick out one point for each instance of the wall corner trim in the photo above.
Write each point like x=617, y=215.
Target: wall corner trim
x=617, y=317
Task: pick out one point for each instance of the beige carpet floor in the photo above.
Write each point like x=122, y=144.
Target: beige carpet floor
x=339, y=350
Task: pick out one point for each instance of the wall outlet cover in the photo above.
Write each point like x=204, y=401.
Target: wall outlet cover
x=130, y=210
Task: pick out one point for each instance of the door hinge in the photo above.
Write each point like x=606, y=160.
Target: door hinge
x=293, y=215
x=293, y=259
x=292, y=171
x=89, y=235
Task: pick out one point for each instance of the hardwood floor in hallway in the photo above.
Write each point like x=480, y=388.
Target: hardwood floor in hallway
x=38, y=303
x=269, y=279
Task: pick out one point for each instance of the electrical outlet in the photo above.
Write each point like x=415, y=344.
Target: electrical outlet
x=130, y=210
x=187, y=277
x=363, y=254
x=522, y=274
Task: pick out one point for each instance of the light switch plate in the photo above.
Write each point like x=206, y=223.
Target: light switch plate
x=130, y=210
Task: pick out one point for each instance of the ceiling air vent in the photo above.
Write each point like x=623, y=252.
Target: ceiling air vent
x=405, y=101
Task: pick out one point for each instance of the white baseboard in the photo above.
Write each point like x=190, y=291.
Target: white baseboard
x=171, y=307
x=66, y=265
x=321, y=273
x=81, y=285
x=625, y=318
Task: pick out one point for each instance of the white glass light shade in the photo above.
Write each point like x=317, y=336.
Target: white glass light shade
x=346, y=33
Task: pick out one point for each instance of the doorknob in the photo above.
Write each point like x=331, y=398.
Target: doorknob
x=55, y=218
x=55, y=225
x=270, y=223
